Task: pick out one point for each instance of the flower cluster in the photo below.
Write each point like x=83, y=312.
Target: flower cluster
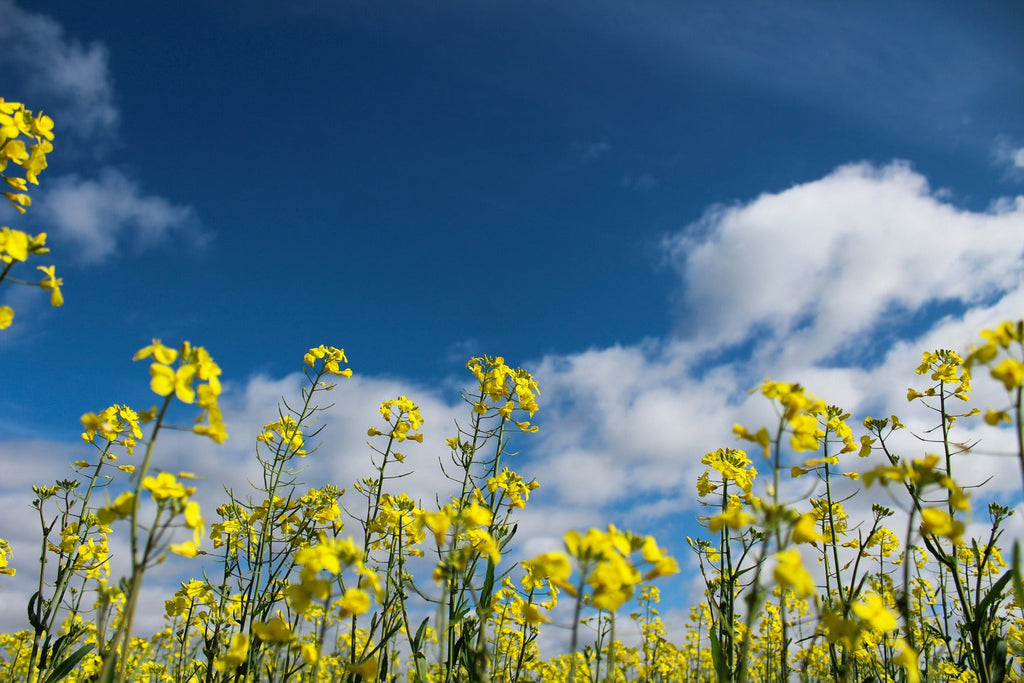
x=17, y=122
x=404, y=418
x=18, y=125
x=329, y=556
x=115, y=424
x=194, y=364
x=503, y=389
x=1003, y=351
x=332, y=359
x=605, y=564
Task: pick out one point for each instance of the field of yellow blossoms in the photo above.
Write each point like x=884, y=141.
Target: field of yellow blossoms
x=397, y=589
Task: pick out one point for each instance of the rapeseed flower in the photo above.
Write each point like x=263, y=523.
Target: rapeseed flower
x=789, y=572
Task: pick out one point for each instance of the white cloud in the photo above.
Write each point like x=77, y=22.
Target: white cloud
x=591, y=150
x=101, y=215
x=791, y=280
x=640, y=181
x=343, y=459
x=1010, y=156
x=72, y=82
x=623, y=428
x=66, y=78
x=818, y=266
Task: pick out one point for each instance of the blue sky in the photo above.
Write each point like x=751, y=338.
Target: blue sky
x=653, y=205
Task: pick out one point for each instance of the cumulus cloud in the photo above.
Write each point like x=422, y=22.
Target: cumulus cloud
x=342, y=459
x=100, y=214
x=816, y=267
x=623, y=428
x=781, y=287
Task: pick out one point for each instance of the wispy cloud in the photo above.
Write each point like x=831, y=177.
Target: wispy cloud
x=640, y=181
x=101, y=215
x=1010, y=156
x=69, y=79
x=103, y=210
x=588, y=151
x=913, y=67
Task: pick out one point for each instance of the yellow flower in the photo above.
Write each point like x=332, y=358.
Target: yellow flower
x=36, y=161
x=236, y=654
x=907, y=658
x=476, y=515
x=159, y=352
x=483, y=543
x=6, y=317
x=14, y=150
x=534, y=616
x=18, y=200
x=301, y=594
x=317, y=558
x=14, y=245
x=704, y=485
x=186, y=549
x=761, y=437
x=665, y=565
x=872, y=610
x=1010, y=372
x=938, y=522
x=367, y=669
x=5, y=558
x=194, y=520
x=733, y=464
x=612, y=580
x=790, y=573
x=806, y=433
x=355, y=601
x=42, y=126
x=806, y=529
x=438, y=522
x=996, y=417
x=166, y=381
x=310, y=653
x=51, y=283
x=164, y=486
x=277, y=630
x=333, y=359
x=553, y=566
x=839, y=630
x=735, y=519
x=119, y=509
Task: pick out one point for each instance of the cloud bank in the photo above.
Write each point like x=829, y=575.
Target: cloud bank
x=778, y=286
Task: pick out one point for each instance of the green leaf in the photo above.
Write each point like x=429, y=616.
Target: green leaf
x=69, y=664
x=718, y=657
x=994, y=594
x=33, y=612
x=421, y=633
x=995, y=656
x=483, y=608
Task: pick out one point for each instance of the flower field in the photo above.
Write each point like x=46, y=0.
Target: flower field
x=358, y=581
